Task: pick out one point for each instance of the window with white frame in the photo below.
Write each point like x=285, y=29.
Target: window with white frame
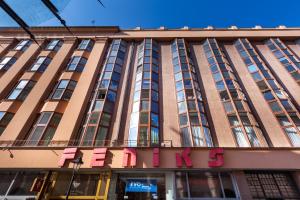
x=63, y=90
x=21, y=90
x=23, y=45
x=40, y=64
x=6, y=62
x=86, y=44
x=54, y=45
x=77, y=64
x=44, y=129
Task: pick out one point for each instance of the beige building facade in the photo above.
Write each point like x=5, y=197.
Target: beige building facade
x=153, y=113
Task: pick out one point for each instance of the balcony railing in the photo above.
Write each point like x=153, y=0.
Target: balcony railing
x=78, y=143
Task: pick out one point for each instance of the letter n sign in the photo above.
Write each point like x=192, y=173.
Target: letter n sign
x=217, y=157
x=129, y=157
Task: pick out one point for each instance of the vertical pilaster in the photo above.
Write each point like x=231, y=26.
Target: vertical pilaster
x=222, y=129
x=279, y=70
x=168, y=103
x=23, y=119
x=275, y=134
x=10, y=77
x=76, y=109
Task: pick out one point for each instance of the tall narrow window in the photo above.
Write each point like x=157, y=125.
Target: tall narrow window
x=76, y=64
x=44, y=129
x=21, y=90
x=63, y=90
x=280, y=103
x=99, y=116
x=243, y=124
x=54, y=45
x=86, y=44
x=192, y=116
x=23, y=45
x=144, y=121
x=5, y=118
x=40, y=64
x=287, y=59
x=6, y=62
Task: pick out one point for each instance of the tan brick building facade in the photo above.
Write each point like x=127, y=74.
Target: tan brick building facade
x=225, y=101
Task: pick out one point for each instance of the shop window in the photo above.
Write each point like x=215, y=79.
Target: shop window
x=18, y=184
x=204, y=185
x=83, y=185
x=271, y=185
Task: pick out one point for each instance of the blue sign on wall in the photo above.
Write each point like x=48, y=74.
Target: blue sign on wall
x=141, y=185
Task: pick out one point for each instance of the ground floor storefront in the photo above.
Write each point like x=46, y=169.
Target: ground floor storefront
x=149, y=174
x=150, y=184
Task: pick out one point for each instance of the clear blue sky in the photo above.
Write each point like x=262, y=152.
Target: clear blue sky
x=168, y=13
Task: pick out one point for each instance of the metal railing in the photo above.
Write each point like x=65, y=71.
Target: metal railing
x=88, y=143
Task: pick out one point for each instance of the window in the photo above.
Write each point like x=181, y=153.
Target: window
x=54, y=45
x=252, y=68
x=64, y=90
x=275, y=107
x=7, y=62
x=154, y=119
x=5, y=118
x=233, y=120
x=86, y=184
x=228, y=107
x=18, y=184
x=23, y=45
x=240, y=138
x=271, y=185
x=268, y=95
x=86, y=44
x=204, y=184
x=76, y=64
x=40, y=64
x=21, y=90
x=44, y=129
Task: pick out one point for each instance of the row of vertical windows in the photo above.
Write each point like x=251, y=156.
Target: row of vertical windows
x=285, y=57
x=96, y=127
x=192, y=117
x=55, y=44
x=278, y=100
x=5, y=118
x=243, y=124
x=44, y=129
x=144, y=120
